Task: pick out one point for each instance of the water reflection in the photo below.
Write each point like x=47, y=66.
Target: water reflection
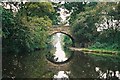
x=59, y=54
x=59, y=44
x=95, y=66
x=107, y=74
x=34, y=65
x=82, y=65
x=61, y=75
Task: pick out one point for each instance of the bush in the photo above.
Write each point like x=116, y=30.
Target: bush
x=107, y=46
x=20, y=35
x=98, y=45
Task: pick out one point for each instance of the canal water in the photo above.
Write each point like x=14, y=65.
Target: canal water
x=57, y=61
x=59, y=53
x=58, y=46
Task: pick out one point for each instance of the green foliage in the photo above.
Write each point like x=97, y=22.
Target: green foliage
x=24, y=33
x=67, y=41
x=84, y=27
x=111, y=35
x=106, y=46
x=15, y=35
x=75, y=8
x=39, y=26
x=41, y=9
x=98, y=45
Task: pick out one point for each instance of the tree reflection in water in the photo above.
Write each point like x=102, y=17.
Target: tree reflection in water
x=59, y=44
x=59, y=54
x=88, y=66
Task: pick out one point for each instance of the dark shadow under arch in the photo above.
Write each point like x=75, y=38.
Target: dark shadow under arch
x=70, y=58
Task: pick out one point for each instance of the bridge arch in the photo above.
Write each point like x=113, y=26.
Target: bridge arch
x=71, y=55
x=69, y=35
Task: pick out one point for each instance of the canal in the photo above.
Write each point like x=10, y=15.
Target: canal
x=57, y=61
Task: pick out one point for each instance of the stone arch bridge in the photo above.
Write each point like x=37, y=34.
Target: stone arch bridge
x=60, y=29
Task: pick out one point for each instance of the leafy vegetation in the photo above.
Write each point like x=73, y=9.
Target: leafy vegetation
x=67, y=41
x=97, y=26
x=27, y=30
x=93, y=25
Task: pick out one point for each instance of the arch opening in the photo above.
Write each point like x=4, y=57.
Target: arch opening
x=58, y=47
x=65, y=33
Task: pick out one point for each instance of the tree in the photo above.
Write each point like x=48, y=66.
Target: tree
x=100, y=16
x=84, y=28
x=15, y=34
x=39, y=27
x=24, y=33
x=75, y=8
x=41, y=9
x=109, y=24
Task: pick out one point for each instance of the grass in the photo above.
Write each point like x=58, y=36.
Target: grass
x=105, y=47
x=100, y=51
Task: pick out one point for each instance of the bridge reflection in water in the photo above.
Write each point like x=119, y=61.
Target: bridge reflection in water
x=59, y=54
x=81, y=65
x=59, y=51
